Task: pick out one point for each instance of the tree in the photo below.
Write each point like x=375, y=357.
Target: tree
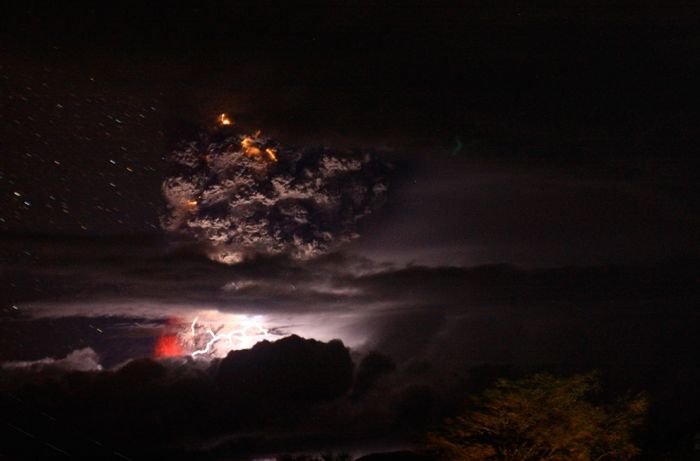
x=542, y=418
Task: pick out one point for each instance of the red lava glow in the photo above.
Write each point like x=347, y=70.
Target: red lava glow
x=168, y=346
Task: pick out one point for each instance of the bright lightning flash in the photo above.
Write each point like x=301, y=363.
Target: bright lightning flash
x=238, y=332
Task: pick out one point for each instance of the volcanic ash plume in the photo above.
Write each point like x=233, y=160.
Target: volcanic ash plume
x=249, y=195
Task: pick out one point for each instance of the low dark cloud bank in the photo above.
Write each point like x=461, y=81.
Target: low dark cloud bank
x=286, y=395
x=419, y=337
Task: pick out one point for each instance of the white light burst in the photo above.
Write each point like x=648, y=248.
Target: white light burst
x=237, y=332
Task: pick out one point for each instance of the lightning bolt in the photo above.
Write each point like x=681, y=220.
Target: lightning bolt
x=193, y=326
x=249, y=331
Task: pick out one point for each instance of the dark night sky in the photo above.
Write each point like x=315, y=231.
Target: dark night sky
x=542, y=209
x=575, y=123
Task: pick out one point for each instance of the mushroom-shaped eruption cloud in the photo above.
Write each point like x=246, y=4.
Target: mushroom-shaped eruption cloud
x=244, y=195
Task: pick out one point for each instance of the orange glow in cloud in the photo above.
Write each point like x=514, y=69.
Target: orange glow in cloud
x=271, y=153
x=168, y=345
x=251, y=148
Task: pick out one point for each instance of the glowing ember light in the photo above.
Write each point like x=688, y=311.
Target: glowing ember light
x=224, y=119
x=249, y=148
x=271, y=153
x=191, y=204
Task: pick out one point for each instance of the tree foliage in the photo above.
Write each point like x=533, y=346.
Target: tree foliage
x=542, y=418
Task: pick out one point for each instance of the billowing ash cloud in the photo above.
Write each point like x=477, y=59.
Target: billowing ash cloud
x=248, y=195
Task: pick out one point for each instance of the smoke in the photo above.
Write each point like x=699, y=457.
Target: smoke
x=246, y=195
x=84, y=359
